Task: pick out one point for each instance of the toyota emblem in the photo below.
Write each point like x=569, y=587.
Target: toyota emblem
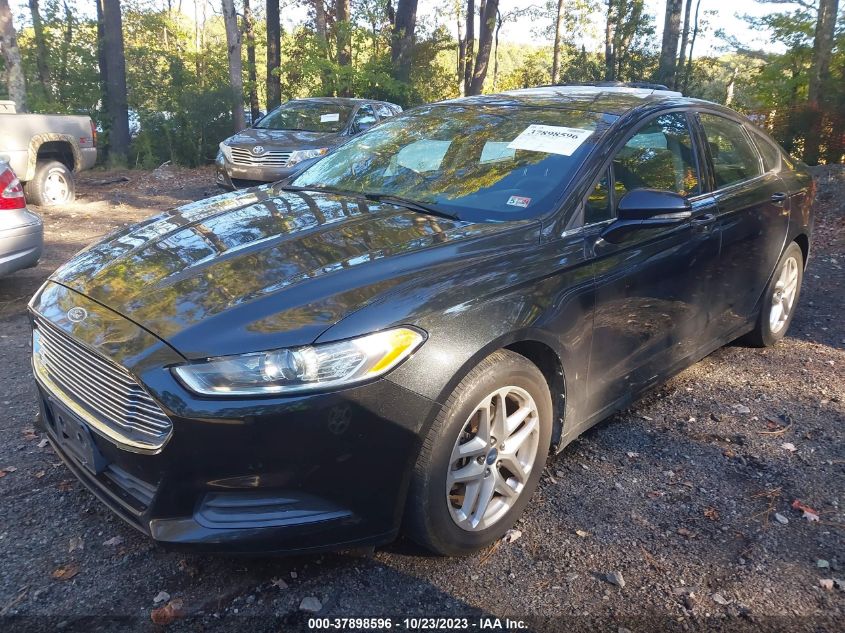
x=258, y=149
x=77, y=314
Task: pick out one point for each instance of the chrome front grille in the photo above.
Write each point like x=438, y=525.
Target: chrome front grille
x=103, y=394
x=243, y=156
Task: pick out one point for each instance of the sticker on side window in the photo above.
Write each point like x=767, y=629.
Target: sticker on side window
x=519, y=201
x=330, y=118
x=551, y=139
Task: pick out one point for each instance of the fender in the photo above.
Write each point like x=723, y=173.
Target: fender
x=38, y=140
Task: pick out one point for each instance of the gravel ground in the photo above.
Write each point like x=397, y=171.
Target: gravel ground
x=688, y=496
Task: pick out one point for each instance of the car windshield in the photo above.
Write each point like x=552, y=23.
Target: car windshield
x=480, y=163
x=308, y=116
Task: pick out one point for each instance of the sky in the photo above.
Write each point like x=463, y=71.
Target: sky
x=728, y=16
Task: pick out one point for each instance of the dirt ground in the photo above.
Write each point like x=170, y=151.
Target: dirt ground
x=689, y=494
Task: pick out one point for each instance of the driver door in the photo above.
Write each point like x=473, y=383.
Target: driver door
x=651, y=289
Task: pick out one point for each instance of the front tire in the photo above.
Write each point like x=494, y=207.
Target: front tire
x=483, y=457
x=780, y=299
x=51, y=185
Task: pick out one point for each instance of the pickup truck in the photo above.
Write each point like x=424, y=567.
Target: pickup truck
x=45, y=150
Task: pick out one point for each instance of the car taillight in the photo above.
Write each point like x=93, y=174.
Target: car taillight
x=11, y=191
x=93, y=134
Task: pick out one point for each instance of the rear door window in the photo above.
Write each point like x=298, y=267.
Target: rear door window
x=734, y=157
x=768, y=150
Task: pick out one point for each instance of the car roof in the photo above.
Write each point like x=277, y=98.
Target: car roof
x=351, y=101
x=615, y=100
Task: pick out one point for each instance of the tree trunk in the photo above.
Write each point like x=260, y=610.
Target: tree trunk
x=469, y=46
x=251, y=74
x=819, y=76
x=40, y=48
x=67, y=40
x=402, y=39
x=12, y=57
x=688, y=66
x=609, y=58
x=462, y=51
x=344, y=33
x=684, y=40
x=496, y=52
x=486, y=25
x=556, y=49
x=114, y=80
x=274, y=55
x=669, y=50
x=233, y=52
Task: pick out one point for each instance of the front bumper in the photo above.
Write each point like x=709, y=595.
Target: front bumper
x=21, y=240
x=285, y=475
x=231, y=176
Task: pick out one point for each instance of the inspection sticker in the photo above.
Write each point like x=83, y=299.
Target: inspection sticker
x=519, y=201
x=329, y=118
x=550, y=139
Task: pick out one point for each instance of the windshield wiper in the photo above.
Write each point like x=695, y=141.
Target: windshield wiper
x=413, y=205
x=317, y=188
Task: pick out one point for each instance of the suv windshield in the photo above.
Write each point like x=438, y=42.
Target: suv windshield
x=481, y=163
x=308, y=116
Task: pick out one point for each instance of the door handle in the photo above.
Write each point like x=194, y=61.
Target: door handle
x=704, y=220
x=779, y=197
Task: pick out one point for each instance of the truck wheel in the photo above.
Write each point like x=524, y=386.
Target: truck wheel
x=52, y=184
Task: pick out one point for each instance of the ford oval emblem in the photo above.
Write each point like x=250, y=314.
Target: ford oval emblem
x=77, y=314
x=258, y=149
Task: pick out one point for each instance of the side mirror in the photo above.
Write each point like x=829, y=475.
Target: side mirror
x=644, y=209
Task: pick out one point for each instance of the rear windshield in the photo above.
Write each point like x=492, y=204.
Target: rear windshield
x=307, y=116
x=481, y=163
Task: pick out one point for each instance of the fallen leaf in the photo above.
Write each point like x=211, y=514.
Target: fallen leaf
x=188, y=568
x=278, y=583
x=808, y=513
x=40, y=474
x=66, y=485
x=654, y=494
x=684, y=532
x=67, y=572
x=113, y=541
x=720, y=599
x=168, y=613
x=512, y=535
x=75, y=543
x=789, y=446
x=826, y=583
x=43, y=443
x=582, y=533
x=632, y=454
x=29, y=434
x=711, y=513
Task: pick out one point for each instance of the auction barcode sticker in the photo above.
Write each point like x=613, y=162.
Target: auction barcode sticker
x=551, y=139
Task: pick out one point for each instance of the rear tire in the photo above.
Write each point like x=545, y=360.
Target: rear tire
x=779, y=300
x=51, y=185
x=446, y=515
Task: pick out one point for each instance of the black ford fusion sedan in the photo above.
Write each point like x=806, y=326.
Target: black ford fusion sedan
x=396, y=339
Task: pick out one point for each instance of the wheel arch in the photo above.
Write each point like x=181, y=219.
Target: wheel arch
x=539, y=348
x=60, y=147
x=803, y=241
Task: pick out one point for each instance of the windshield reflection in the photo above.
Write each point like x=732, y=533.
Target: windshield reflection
x=479, y=162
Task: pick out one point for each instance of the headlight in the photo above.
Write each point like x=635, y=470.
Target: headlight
x=311, y=368
x=226, y=151
x=306, y=154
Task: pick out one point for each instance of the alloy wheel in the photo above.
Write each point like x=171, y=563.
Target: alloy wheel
x=492, y=458
x=783, y=297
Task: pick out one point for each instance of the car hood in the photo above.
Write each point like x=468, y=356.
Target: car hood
x=283, y=139
x=266, y=268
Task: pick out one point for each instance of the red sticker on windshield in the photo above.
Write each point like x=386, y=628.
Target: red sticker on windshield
x=519, y=201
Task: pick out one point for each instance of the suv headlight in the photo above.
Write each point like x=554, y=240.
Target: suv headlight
x=306, y=154
x=295, y=370
x=226, y=151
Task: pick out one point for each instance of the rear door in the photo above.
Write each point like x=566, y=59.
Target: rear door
x=753, y=218
x=652, y=289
